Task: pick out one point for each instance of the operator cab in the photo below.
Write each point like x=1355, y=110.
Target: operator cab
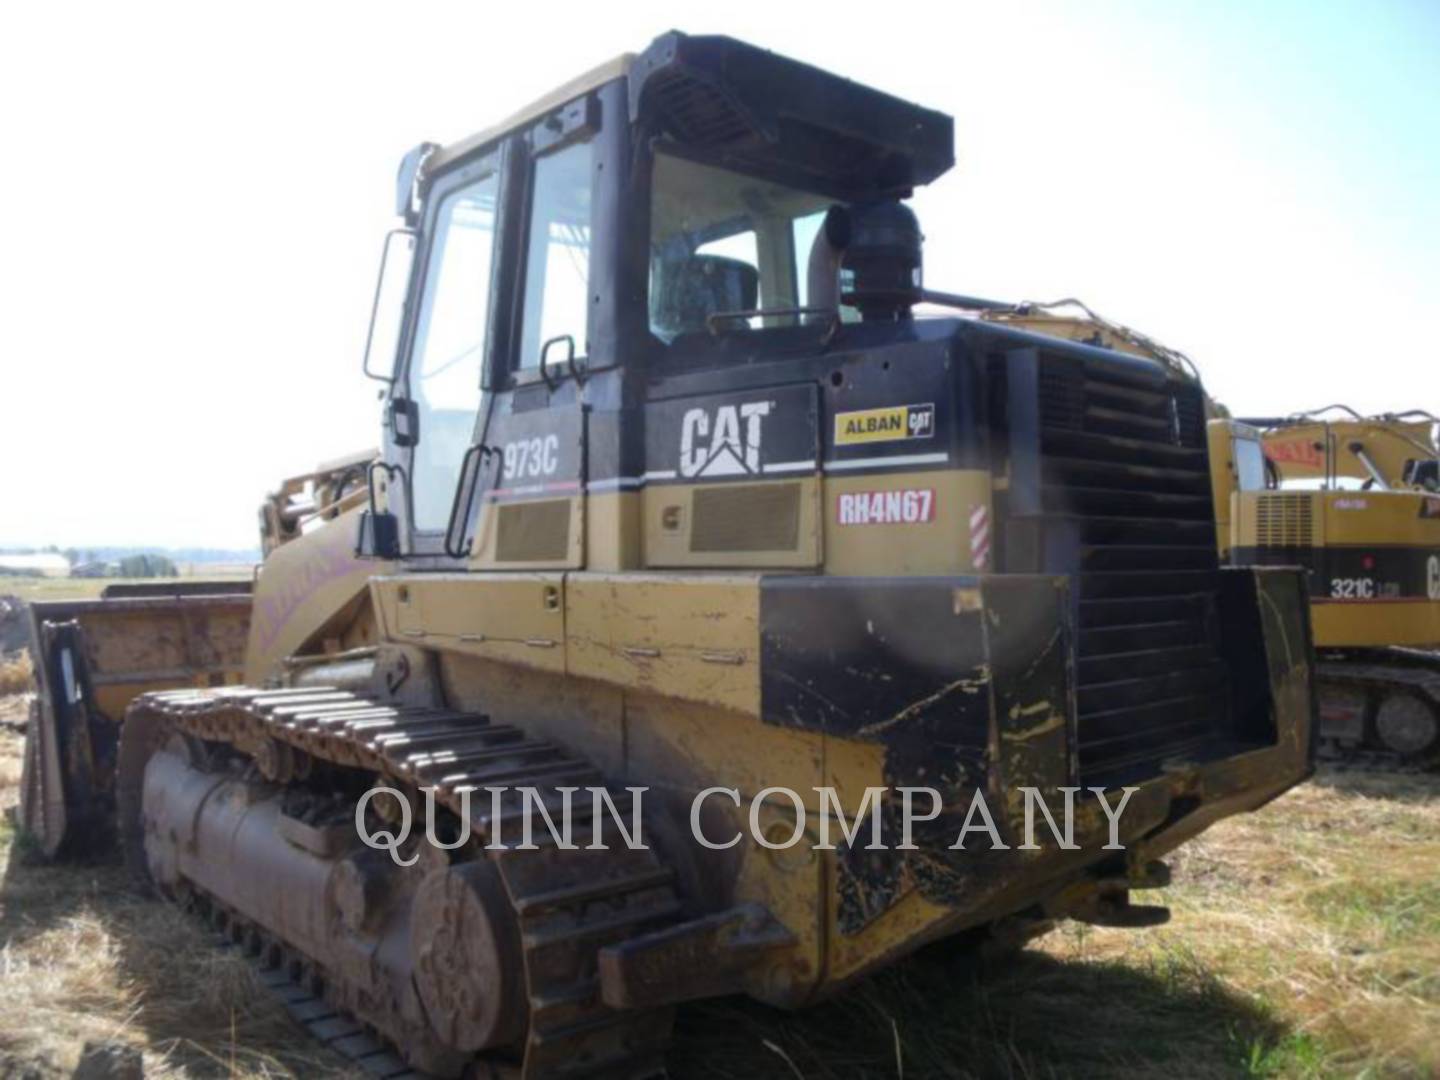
x=1423, y=474
x=752, y=201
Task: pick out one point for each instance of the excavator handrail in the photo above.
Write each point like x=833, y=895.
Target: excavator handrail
x=1309, y=416
x=1164, y=353
x=1317, y=417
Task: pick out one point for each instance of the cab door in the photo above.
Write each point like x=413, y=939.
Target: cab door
x=438, y=398
x=532, y=502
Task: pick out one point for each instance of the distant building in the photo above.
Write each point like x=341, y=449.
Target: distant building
x=44, y=565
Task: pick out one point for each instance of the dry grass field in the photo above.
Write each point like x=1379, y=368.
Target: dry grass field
x=43, y=588
x=46, y=588
x=16, y=673
x=1305, y=943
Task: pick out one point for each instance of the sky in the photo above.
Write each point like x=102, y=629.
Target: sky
x=195, y=198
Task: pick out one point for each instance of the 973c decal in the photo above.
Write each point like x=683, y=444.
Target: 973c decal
x=885, y=425
x=910, y=506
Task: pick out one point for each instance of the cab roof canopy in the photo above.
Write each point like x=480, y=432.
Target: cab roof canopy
x=763, y=114
x=794, y=123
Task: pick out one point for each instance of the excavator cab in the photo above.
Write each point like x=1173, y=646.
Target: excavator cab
x=1237, y=465
x=1422, y=474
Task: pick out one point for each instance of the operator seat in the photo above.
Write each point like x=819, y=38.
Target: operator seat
x=1422, y=473
x=701, y=286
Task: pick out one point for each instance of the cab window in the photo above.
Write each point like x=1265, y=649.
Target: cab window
x=1250, y=464
x=723, y=242
x=557, y=254
x=449, y=347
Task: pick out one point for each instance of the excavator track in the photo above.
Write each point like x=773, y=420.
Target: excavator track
x=1368, y=695
x=566, y=903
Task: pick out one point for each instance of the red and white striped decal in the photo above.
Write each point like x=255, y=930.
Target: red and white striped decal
x=980, y=537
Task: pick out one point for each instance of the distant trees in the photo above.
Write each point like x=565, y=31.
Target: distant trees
x=147, y=566
x=112, y=562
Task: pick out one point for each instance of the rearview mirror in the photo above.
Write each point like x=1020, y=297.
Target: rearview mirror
x=404, y=422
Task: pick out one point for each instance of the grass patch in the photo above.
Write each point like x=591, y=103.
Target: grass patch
x=43, y=588
x=1298, y=1054
x=17, y=676
x=1035, y=1016
x=1387, y=913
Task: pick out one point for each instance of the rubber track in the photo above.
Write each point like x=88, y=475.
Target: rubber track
x=568, y=903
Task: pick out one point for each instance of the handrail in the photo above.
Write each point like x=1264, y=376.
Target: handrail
x=458, y=547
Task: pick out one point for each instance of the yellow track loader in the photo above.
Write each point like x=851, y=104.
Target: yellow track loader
x=685, y=527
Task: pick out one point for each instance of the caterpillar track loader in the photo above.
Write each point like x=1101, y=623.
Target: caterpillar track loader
x=1355, y=500
x=679, y=501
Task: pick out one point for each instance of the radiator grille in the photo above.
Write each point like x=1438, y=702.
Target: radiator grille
x=1285, y=521
x=533, y=531
x=747, y=517
x=1126, y=506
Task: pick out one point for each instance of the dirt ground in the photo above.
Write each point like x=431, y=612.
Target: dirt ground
x=1305, y=943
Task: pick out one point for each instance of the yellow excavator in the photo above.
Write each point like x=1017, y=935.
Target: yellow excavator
x=1355, y=500
x=678, y=501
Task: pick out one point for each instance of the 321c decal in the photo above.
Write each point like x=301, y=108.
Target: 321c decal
x=1352, y=588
